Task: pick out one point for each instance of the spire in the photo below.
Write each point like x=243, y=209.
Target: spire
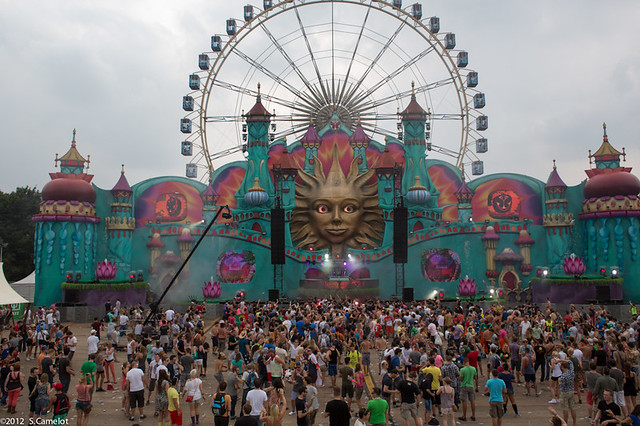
x=122, y=187
x=463, y=193
x=258, y=112
x=359, y=138
x=72, y=159
x=554, y=180
x=606, y=156
x=311, y=139
x=413, y=111
x=209, y=196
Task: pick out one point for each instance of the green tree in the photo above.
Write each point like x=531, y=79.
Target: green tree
x=17, y=230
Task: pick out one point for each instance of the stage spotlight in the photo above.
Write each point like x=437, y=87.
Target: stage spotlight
x=69, y=276
x=615, y=271
x=603, y=271
x=77, y=276
x=140, y=275
x=441, y=295
x=132, y=276
x=542, y=272
x=326, y=256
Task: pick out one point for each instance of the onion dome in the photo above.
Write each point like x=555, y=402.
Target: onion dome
x=256, y=196
x=69, y=188
x=508, y=256
x=122, y=188
x=258, y=112
x=490, y=234
x=413, y=111
x=169, y=258
x=185, y=236
x=359, y=138
x=418, y=194
x=311, y=139
x=156, y=241
x=555, y=184
x=524, y=239
x=463, y=193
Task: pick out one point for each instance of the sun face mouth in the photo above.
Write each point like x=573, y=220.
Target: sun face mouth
x=336, y=231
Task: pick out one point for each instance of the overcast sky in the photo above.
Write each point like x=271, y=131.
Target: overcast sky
x=552, y=72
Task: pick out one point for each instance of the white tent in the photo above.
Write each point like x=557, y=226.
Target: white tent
x=26, y=287
x=7, y=294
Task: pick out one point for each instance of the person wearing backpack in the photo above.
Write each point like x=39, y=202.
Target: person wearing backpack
x=248, y=379
x=221, y=406
x=60, y=404
x=13, y=386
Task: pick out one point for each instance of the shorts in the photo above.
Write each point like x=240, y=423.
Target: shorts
x=409, y=410
x=530, y=378
x=332, y=369
x=427, y=405
x=347, y=390
x=566, y=401
x=366, y=358
x=311, y=416
x=515, y=364
x=198, y=361
x=467, y=394
x=83, y=405
x=555, y=379
x=618, y=398
x=136, y=399
x=589, y=397
x=495, y=409
x=448, y=410
x=152, y=384
x=176, y=417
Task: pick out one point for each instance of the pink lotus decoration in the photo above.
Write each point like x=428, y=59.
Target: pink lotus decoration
x=105, y=270
x=573, y=265
x=211, y=290
x=467, y=287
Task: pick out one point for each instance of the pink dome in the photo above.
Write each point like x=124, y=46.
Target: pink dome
x=69, y=189
x=612, y=184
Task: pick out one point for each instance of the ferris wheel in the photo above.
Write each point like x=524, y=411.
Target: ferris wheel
x=314, y=58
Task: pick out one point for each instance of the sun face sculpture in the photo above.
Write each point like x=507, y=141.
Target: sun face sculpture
x=336, y=211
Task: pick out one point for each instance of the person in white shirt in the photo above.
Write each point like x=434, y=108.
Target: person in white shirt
x=135, y=384
x=258, y=399
x=124, y=320
x=92, y=343
x=169, y=314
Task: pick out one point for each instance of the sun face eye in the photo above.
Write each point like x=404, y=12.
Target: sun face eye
x=349, y=208
x=322, y=208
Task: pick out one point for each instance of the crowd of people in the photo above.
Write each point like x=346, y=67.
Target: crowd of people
x=384, y=362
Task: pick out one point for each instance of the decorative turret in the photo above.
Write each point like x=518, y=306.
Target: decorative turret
x=258, y=120
x=418, y=194
x=556, y=217
x=611, y=196
x=359, y=141
x=155, y=247
x=66, y=227
x=209, y=200
x=256, y=196
x=120, y=225
x=414, y=121
x=185, y=242
x=386, y=168
x=490, y=239
x=464, y=195
x=310, y=142
x=525, y=242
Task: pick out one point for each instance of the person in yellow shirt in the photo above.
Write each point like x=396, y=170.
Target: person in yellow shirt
x=175, y=413
x=435, y=384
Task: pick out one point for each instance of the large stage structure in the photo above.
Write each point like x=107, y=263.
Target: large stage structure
x=344, y=177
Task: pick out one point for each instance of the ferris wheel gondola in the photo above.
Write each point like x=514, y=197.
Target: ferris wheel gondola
x=316, y=57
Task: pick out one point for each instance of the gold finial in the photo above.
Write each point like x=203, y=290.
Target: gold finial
x=413, y=89
x=554, y=164
x=88, y=161
x=624, y=155
x=56, y=165
x=359, y=119
x=73, y=140
x=590, y=157
x=122, y=172
x=258, y=90
x=462, y=170
x=604, y=129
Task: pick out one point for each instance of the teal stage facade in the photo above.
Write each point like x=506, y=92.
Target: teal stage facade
x=499, y=231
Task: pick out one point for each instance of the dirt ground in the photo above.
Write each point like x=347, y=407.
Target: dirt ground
x=107, y=405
